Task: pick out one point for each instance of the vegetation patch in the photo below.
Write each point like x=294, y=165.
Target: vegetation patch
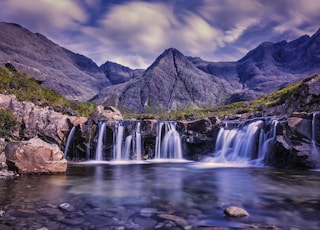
x=29, y=89
x=7, y=122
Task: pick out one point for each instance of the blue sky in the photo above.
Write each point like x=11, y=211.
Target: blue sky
x=134, y=33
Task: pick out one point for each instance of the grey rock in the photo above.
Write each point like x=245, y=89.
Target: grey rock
x=66, y=207
x=147, y=212
x=234, y=211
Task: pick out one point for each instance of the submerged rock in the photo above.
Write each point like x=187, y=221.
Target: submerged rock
x=234, y=211
x=35, y=156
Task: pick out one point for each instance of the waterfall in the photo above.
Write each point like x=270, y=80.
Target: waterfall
x=137, y=142
x=101, y=134
x=265, y=142
x=69, y=139
x=88, y=151
x=127, y=146
x=315, y=152
x=168, y=141
x=246, y=143
x=117, y=141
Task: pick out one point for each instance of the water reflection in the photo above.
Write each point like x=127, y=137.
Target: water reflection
x=272, y=197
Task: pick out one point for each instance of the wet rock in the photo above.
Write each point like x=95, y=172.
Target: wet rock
x=50, y=212
x=177, y=219
x=66, y=207
x=72, y=221
x=234, y=211
x=20, y=213
x=147, y=212
x=35, y=156
x=147, y=223
x=4, y=173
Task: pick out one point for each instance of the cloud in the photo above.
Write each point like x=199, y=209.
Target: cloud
x=43, y=15
x=134, y=33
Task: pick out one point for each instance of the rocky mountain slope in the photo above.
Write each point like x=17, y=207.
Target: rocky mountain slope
x=171, y=82
x=117, y=73
x=72, y=75
x=268, y=67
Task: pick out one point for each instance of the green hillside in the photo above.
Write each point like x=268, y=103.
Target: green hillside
x=29, y=89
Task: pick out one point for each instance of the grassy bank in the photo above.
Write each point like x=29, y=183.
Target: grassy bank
x=29, y=89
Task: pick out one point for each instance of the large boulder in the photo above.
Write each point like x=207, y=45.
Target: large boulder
x=35, y=156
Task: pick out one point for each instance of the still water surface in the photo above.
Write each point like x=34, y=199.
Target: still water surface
x=199, y=195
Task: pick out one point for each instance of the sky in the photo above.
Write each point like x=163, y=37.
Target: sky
x=134, y=33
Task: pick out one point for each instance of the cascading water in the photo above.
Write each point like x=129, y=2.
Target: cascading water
x=138, y=142
x=244, y=143
x=127, y=147
x=168, y=141
x=101, y=134
x=70, y=137
x=315, y=127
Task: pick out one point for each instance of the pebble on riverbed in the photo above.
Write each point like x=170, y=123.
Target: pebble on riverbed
x=234, y=211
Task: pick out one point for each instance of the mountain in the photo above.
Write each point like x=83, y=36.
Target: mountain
x=117, y=73
x=268, y=67
x=171, y=82
x=72, y=75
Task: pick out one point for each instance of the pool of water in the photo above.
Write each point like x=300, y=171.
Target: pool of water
x=161, y=196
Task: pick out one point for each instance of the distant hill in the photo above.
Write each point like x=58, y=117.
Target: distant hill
x=72, y=75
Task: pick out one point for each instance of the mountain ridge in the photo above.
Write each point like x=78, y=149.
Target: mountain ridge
x=173, y=81
x=72, y=75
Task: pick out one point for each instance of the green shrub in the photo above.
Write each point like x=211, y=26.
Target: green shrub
x=7, y=122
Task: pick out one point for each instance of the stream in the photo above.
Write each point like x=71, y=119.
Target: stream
x=189, y=195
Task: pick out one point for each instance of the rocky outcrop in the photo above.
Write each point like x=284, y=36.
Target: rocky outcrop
x=35, y=121
x=44, y=133
x=109, y=113
x=35, y=156
x=199, y=136
x=297, y=144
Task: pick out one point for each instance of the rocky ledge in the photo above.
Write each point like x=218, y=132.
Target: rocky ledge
x=37, y=139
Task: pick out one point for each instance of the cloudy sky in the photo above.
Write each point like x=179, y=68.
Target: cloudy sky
x=134, y=33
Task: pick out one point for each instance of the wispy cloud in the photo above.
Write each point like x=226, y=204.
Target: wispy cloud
x=134, y=32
